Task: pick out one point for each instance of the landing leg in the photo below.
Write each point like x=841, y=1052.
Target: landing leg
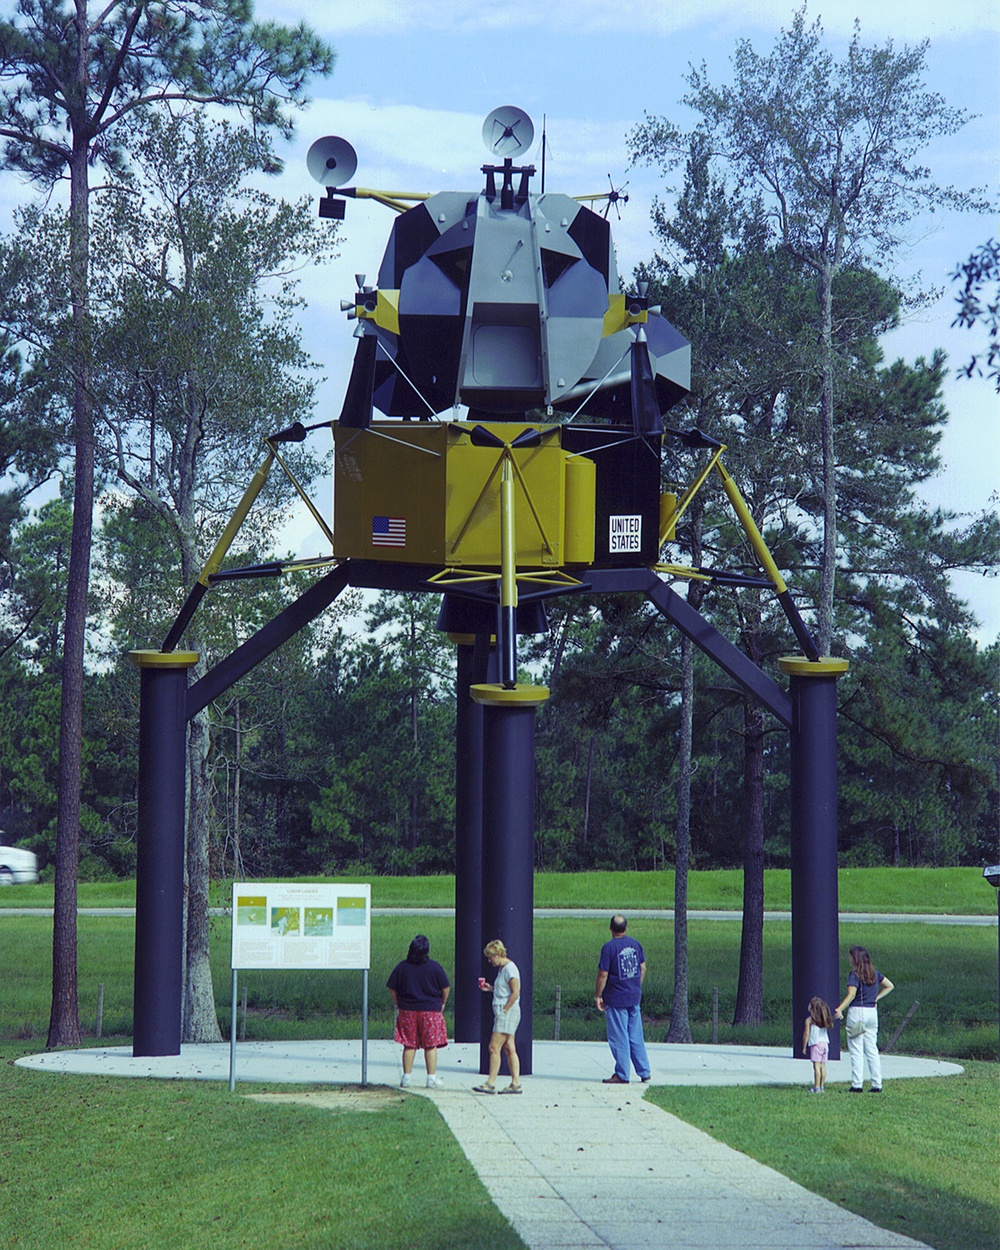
x=509, y=840
x=815, y=910
x=159, y=885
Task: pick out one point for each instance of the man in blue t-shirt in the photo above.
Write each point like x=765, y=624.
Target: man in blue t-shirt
x=618, y=993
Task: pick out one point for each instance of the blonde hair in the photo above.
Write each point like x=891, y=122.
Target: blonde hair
x=496, y=947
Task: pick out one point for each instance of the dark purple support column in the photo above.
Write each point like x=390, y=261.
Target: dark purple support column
x=159, y=886
x=509, y=842
x=815, y=907
x=474, y=656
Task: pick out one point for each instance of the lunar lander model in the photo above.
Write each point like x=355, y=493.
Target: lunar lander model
x=500, y=443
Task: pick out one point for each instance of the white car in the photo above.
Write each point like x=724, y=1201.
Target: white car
x=17, y=867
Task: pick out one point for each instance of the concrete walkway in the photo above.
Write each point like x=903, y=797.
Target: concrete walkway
x=572, y=1163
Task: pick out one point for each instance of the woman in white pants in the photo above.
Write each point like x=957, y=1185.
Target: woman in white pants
x=865, y=986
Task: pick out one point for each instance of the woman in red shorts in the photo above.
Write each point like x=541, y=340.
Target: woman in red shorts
x=419, y=987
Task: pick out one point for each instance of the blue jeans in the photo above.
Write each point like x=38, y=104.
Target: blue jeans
x=626, y=1040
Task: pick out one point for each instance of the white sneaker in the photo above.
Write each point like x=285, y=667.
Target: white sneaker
x=406, y=1079
x=435, y=1082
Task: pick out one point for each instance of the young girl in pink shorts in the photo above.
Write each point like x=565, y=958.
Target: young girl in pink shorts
x=816, y=1041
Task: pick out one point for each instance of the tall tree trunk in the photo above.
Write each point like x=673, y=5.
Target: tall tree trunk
x=829, y=549
x=586, y=790
x=750, y=991
x=280, y=799
x=201, y=1021
x=680, y=1028
x=560, y=650
x=64, y=1020
x=237, y=788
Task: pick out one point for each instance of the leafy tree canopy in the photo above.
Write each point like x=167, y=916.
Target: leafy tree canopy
x=979, y=304
x=137, y=54
x=829, y=148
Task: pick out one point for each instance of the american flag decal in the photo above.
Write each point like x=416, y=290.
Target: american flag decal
x=388, y=531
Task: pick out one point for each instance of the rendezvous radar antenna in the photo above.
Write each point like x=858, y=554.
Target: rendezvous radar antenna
x=499, y=444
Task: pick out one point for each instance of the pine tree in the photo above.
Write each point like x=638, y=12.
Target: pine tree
x=66, y=86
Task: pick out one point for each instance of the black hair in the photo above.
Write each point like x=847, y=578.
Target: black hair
x=419, y=951
x=618, y=925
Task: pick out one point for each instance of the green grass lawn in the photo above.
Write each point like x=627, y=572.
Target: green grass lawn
x=950, y=971
x=922, y=1160
x=127, y=1165
x=955, y=891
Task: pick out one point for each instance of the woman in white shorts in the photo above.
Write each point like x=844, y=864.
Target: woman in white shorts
x=506, y=990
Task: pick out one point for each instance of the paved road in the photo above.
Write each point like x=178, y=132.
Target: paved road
x=667, y=913
x=580, y=913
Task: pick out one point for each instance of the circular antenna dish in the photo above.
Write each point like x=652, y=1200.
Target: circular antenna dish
x=508, y=131
x=332, y=161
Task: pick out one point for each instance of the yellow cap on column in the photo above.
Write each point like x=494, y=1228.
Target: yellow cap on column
x=495, y=695
x=164, y=659
x=825, y=666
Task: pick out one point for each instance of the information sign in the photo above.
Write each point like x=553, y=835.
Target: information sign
x=283, y=925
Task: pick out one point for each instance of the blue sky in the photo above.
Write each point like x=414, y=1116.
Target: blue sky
x=415, y=78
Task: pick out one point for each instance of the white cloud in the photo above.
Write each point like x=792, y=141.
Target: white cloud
x=905, y=19
x=443, y=149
